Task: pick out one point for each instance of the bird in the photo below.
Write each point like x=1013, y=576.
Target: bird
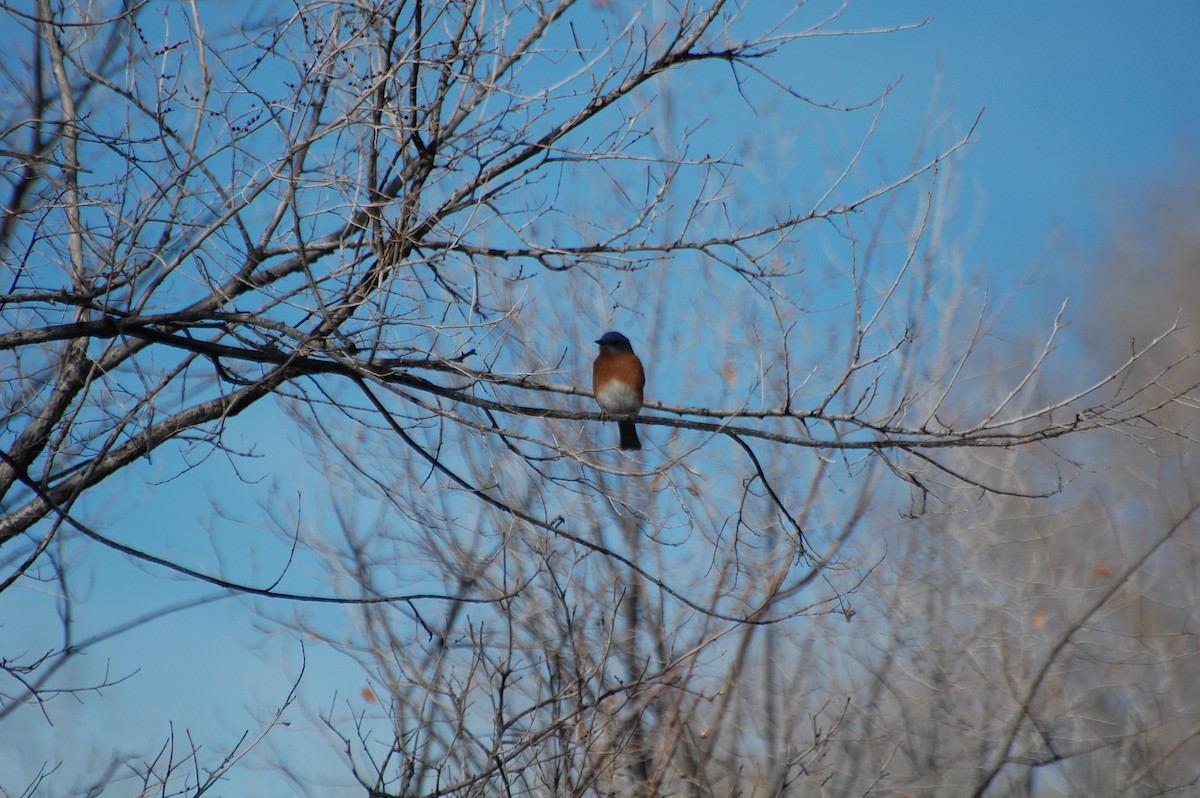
x=618, y=381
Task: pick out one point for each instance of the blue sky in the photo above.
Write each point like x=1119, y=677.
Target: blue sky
x=1086, y=104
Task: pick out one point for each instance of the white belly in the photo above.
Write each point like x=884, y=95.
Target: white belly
x=618, y=399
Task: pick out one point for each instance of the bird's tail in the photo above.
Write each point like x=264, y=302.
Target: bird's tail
x=629, y=436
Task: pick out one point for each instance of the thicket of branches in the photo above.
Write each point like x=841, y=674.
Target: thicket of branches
x=399, y=225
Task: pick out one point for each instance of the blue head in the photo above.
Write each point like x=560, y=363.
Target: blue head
x=615, y=342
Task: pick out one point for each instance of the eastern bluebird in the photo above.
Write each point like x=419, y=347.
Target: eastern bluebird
x=617, y=382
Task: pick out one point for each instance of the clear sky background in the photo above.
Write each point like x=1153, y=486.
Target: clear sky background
x=1087, y=106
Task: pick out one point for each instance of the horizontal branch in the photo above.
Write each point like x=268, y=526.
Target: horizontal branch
x=399, y=372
